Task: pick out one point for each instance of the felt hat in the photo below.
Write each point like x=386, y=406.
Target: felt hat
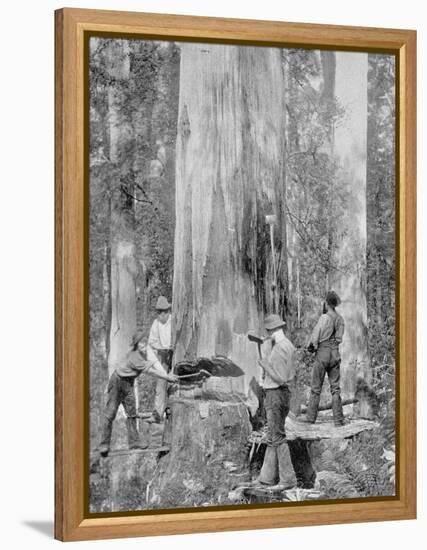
x=162, y=304
x=273, y=321
x=136, y=338
x=333, y=299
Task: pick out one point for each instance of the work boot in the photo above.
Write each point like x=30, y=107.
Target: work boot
x=312, y=408
x=337, y=411
x=287, y=477
x=301, y=462
x=307, y=483
x=269, y=474
x=133, y=434
x=107, y=427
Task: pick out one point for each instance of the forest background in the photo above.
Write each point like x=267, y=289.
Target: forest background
x=135, y=124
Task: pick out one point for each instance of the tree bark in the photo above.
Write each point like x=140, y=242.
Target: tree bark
x=229, y=176
x=122, y=245
x=208, y=453
x=230, y=157
x=350, y=280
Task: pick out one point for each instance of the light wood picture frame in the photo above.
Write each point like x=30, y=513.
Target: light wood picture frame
x=72, y=28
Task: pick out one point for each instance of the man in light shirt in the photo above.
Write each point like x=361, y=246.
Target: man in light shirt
x=159, y=341
x=278, y=377
x=325, y=339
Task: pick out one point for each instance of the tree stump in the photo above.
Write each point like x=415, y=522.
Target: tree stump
x=208, y=453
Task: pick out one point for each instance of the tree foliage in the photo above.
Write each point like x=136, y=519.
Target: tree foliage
x=316, y=198
x=134, y=89
x=133, y=115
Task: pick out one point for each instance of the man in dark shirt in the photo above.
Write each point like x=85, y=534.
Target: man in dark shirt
x=121, y=391
x=325, y=340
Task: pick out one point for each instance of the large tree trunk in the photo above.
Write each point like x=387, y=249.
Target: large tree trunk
x=230, y=174
x=123, y=263
x=230, y=156
x=350, y=280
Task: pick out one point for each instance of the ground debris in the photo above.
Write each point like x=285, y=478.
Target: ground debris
x=261, y=493
x=324, y=428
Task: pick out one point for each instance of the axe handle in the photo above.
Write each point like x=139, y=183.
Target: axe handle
x=259, y=350
x=203, y=371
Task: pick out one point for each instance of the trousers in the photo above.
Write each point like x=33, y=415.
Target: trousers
x=279, y=461
x=120, y=391
x=327, y=362
x=160, y=398
x=277, y=401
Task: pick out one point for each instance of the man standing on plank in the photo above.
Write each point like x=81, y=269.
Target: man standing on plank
x=325, y=340
x=121, y=392
x=279, y=381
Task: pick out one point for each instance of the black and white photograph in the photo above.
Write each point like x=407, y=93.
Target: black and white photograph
x=242, y=275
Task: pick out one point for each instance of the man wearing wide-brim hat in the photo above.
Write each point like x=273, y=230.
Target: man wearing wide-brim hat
x=278, y=376
x=281, y=467
x=159, y=341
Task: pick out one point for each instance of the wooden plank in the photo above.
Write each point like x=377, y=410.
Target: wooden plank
x=126, y=452
x=324, y=428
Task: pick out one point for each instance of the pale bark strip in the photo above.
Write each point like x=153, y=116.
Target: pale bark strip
x=350, y=149
x=122, y=247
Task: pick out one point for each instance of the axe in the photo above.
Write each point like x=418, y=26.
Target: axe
x=258, y=340
x=271, y=220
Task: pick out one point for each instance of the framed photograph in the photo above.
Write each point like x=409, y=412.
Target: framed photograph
x=235, y=274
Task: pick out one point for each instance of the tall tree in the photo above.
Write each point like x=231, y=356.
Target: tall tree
x=122, y=245
x=381, y=211
x=351, y=89
x=326, y=141
x=229, y=176
x=101, y=177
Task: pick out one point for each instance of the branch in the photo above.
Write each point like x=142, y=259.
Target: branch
x=144, y=192
x=382, y=366
x=305, y=92
x=126, y=192
x=290, y=155
x=148, y=200
x=320, y=252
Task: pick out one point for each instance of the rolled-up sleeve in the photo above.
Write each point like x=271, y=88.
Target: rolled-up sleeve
x=156, y=369
x=339, y=329
x=315, y=335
